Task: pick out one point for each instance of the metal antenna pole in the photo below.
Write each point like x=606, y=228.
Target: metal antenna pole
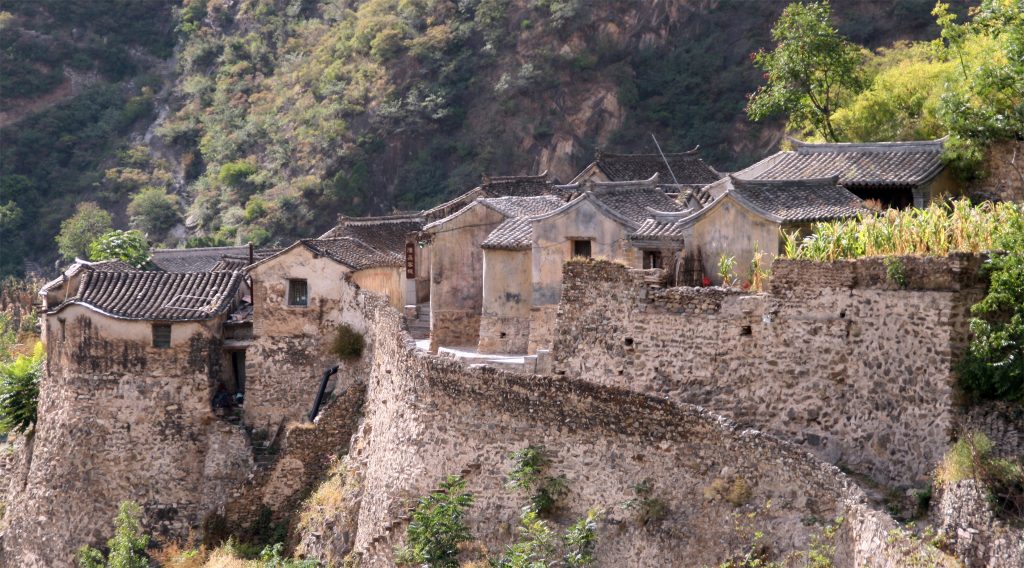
x=670, y=172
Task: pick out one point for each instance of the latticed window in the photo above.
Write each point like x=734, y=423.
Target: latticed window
x=161, y=335
x=298, y=293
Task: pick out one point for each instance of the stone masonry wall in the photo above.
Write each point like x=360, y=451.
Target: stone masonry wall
x=837, y=357
x=120, y=420
x=428, y=417
x=304, y=456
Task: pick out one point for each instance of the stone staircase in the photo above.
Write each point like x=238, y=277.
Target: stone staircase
x=418, y=320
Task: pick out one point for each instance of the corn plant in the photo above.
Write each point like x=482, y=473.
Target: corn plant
x=937, y=230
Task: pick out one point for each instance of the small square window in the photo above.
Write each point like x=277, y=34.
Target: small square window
x=298, y=293
x=652, y=259
x=161, y=335
x=581, y=247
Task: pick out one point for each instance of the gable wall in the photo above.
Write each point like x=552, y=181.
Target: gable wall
x=456, y=277
x=290, y=346
x=508, y=297
x=731, y=229
x=552, y=247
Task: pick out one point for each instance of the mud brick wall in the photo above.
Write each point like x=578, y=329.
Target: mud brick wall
x=837, y=357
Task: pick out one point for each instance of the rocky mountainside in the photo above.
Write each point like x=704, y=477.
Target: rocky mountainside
x=267, y=118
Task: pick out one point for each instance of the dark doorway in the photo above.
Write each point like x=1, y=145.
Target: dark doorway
x=238, y=370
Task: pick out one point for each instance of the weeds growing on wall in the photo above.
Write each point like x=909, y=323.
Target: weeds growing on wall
x=127, y=547
x=529, y=474
x=972, y=458
x=645, y=505
x=539, y=544
x=348, y=344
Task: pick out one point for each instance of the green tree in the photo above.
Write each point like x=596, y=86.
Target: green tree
x=438, y=527
x=127, y=547
x=993, y=367
x=19, y=391
x=154, y=211
x=129, y=246
x=81, y=229
x=810, y=71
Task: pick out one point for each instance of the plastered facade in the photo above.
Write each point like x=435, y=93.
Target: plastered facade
x=507, y=299
x=836, y=358
x=456, y=276
x=291, y=344
x=730, y=229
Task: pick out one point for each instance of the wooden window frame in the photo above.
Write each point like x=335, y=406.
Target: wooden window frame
x=160, y=341
x=290, y=296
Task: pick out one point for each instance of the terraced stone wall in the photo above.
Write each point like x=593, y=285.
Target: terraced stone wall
x=838, y=357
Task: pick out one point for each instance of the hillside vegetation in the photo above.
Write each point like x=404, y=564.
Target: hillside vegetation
x=276, y=115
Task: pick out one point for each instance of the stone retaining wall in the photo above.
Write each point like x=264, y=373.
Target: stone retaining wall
x=837, y=357
x=428, y=417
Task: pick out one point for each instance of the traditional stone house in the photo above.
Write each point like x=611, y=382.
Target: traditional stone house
x=885, y=174
x=523, y=257
x=300, y=297
x=457, y=266
x=748, y=216
x=685, y=169
x=394, y=234
x=135, y=360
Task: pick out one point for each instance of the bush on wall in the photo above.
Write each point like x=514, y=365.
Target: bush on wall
x=348, y=344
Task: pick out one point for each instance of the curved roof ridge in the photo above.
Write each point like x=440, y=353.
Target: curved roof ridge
x=541, y=176
x=739, y=182
x=149, y=295
x=803, y=147
x=605, y=186
x=397, y=218
x=695, y=152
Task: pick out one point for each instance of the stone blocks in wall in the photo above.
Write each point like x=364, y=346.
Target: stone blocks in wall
x=505, y=335
x=451, y=328
x=838, y=357
x=542, y=327
x=429, y=417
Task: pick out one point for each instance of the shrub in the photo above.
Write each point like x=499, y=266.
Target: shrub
x=528, y=474
x=82, y=228
x=348, y=344
x=19, y=391
x=539, y=545
x=896, y=271
x=646, y=507
x=993, y=366
x=972, y=457
x=438, y=527
x=127, y=547
x=154, y=211
x=128, y=246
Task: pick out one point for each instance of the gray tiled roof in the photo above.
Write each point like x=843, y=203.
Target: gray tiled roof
x=523, y=206
x=517, y=186
x=803, y=200
x=205, y=259
x=634, y=200
x=688, y=167
x=516, y=233
x=157, y=296
x=659, y=229
x=877, y=164
x=511, y=234
x=382, y=233
x=354, y=253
